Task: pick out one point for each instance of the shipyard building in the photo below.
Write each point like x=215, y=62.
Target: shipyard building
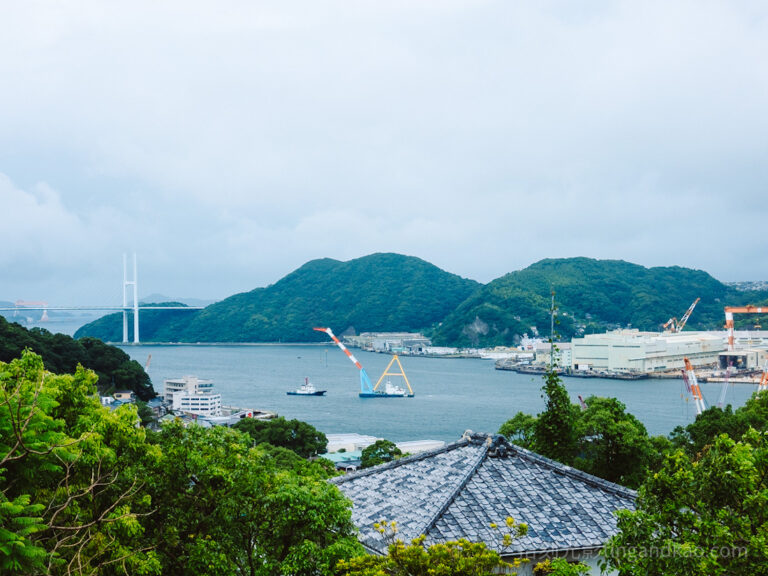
x=635, y=351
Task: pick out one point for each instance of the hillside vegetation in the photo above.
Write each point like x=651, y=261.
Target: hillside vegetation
x=379, y=292
x=391, y=292
x=62, y=354
x=591, y=296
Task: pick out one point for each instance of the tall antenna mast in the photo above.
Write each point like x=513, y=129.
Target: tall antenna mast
x=552, y=330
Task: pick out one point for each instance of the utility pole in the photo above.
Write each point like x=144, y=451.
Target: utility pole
x=552, y=330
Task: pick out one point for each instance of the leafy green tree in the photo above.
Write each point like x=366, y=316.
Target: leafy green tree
x=302, y=438
x=556, y=435
x=379, y=452
x=62, y=354
x=520, y=430
x=705, y=517
x=455, y=558
x=560, y=567
x=146, y=415
x=224, y=507
x=70, y=476
x=613, y=444
x=715, y=421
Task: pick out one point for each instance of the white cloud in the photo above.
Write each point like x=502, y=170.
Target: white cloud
x=245, y=138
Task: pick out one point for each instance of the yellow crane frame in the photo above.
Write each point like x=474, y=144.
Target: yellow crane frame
x=388, y=373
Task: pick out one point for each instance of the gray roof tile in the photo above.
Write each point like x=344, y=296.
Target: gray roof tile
x=459, y=490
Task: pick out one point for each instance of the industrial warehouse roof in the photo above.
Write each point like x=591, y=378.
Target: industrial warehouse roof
x=457, y=492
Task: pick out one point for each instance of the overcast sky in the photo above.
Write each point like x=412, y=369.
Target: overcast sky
x=227, y=143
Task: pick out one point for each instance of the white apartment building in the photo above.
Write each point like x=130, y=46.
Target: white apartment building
x=192, y=395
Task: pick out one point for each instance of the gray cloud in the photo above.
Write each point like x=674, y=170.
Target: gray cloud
x=229, y=144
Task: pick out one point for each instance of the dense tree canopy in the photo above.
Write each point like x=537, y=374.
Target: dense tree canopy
x=612, y=444
x=555, y=427
x=295, y=435
x=700, y=517
x=520, y=430
x=603, y=439
x=71, y=476
x=379, y=452
x=62, y=354
x=715, y=421
x=223, y=507
x=85, y=490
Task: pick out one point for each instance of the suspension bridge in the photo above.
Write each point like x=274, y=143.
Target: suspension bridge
x=129, y=305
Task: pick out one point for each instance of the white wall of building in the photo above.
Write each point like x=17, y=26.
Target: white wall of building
x=193, y=395
x=632, y=350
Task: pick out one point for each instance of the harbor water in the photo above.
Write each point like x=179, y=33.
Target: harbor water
x=451, y=395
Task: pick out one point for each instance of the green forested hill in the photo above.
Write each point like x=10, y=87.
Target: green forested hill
x=155, y=325
x=374, y=293
x=391, y=292
x=591, y=295
x=62, y=354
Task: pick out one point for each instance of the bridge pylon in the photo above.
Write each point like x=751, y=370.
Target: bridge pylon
x=126, y=284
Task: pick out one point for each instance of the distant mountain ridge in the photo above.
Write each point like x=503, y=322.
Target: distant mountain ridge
x=392, y=292
x=379, y=292
x=163, y=299
x=590, y=296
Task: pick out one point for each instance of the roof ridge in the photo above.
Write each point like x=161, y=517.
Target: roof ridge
x=399, y=462
x=566, y=470
x=484, y=447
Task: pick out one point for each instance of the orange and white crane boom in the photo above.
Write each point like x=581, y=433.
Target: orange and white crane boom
x=764, y=380
x=673, y=325
x=365, y=381
x=687, y=315
x=731, y=310
x=693, y=384
x=670, y=325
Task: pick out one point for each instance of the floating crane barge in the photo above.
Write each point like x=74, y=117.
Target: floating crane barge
x=368, y=390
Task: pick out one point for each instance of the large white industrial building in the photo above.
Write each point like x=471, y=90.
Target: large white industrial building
x=635, y=351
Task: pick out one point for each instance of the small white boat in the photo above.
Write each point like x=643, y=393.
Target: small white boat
x=390, y=391
x=306, y=389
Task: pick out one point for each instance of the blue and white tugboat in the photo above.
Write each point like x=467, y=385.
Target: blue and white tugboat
x=306, y=389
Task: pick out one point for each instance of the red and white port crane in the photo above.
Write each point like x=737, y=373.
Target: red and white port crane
x=692, y=384
x=365, y=382
x=731, y=310
x=672, y=325
x=763, y=386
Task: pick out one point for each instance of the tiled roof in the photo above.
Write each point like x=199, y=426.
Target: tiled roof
x=457, y=492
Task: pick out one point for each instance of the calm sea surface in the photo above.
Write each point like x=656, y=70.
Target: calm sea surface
x=452, y=395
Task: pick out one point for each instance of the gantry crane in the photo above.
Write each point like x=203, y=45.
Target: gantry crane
x=689, y=376
x=672, y=325
x=731, y=310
